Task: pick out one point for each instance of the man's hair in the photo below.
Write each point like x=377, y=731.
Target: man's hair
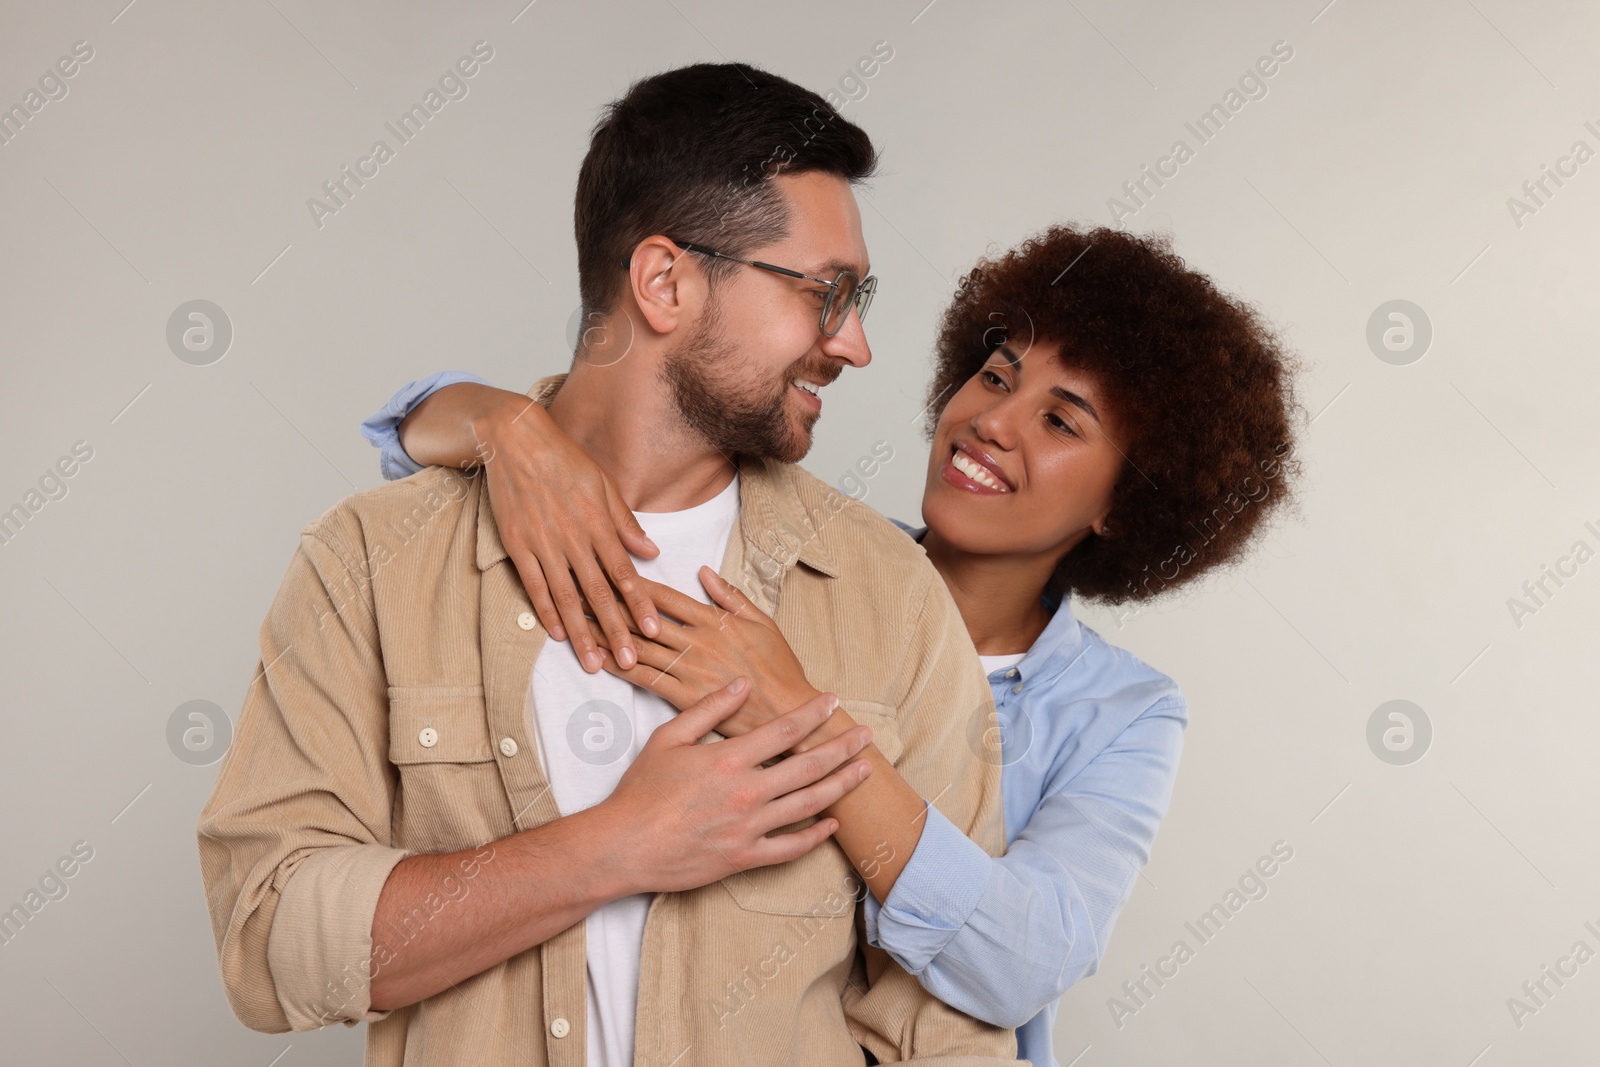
x=687, y=153
x=1201, y=386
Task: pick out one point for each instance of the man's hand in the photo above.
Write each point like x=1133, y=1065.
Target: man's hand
x=692, y=814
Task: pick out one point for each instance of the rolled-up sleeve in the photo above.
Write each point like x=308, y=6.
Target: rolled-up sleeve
x=295, y=837
x=382, y=428
x=1003, y=937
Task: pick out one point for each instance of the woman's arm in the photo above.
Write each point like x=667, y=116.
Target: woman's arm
x=999, y=937
x=1003, y=937
x=701, y=646
x=562, y=519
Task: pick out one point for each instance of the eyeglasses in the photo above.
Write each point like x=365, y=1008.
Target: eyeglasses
x=845, y=291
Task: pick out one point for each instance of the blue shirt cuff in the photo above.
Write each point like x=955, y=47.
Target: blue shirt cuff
x=933, y=898
x=383, y=427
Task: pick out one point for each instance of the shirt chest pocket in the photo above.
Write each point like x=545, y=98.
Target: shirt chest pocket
x=823, y=882
x=450, y=794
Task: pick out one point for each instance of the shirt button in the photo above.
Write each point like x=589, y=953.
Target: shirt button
x=428, y=737
x=508, y=746
x=559, y=1027
x=1012, y=673
x=1016, y=689
x=526, y=620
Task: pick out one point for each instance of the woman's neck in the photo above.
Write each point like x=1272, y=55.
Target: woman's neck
x=998, y=596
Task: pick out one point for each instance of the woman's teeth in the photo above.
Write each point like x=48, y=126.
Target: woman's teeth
x=976, y=471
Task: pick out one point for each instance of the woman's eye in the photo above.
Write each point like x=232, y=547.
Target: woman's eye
x=991, y=376
x=1062, y=424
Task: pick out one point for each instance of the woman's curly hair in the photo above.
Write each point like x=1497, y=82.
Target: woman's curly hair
x=1200, y=384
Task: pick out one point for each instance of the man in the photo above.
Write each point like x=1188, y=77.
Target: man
x=435, y=820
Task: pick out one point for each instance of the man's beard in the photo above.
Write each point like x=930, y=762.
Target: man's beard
x=735, y=417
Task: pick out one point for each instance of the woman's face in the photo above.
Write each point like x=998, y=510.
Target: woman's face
x=1038, y=441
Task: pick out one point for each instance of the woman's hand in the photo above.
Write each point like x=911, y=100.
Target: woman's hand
x=557, y=512
x=711, y=645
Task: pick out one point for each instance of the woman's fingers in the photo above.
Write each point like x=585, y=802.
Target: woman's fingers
x=544, y=605
x=614, y=557
x=657, y=681
x=731, y=598
x=609, y=617
x=650, y=654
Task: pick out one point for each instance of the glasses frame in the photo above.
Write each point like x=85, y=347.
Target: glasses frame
x=865, y=289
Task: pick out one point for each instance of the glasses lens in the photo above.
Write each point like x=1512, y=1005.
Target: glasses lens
x=864, y=297
x=839, y=302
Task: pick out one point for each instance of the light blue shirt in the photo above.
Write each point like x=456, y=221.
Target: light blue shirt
x=1090, y=737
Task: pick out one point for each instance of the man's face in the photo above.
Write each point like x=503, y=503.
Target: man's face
x=733, y=377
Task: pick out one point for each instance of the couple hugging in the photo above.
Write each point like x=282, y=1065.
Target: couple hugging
x=604, y=734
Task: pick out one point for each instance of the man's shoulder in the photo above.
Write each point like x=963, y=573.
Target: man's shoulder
x=428, y=506
x=860, y=543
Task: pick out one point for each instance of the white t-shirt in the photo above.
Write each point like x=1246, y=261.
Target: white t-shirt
x=995, y=663
x=590, y=727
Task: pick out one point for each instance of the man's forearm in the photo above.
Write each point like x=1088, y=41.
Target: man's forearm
x=538, y=883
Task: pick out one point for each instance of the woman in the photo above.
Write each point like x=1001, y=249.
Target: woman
x=1110, y=426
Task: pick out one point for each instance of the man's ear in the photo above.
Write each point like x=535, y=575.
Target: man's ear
x=667, y=286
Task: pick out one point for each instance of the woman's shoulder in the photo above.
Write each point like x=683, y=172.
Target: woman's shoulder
x=1144, y=687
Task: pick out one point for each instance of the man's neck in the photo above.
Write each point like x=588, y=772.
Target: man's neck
x=629, y=425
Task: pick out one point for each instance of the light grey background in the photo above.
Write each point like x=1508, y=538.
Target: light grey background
x=1378, y=167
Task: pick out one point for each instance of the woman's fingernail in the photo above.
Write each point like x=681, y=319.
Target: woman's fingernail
x=652, y=626
x=625, y=656
x=737, y=685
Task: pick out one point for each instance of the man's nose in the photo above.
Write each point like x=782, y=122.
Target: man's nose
x=850, y=343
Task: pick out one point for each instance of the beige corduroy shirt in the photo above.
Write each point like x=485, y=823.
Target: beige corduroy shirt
x=389, y=717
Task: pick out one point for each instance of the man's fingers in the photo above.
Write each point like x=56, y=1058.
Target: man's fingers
x=703, y=716
x=802, y=769
x=786, y=847
x=804, y=803
x=783, y=733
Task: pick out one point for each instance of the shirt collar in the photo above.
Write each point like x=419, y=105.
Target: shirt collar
x=777, y=526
